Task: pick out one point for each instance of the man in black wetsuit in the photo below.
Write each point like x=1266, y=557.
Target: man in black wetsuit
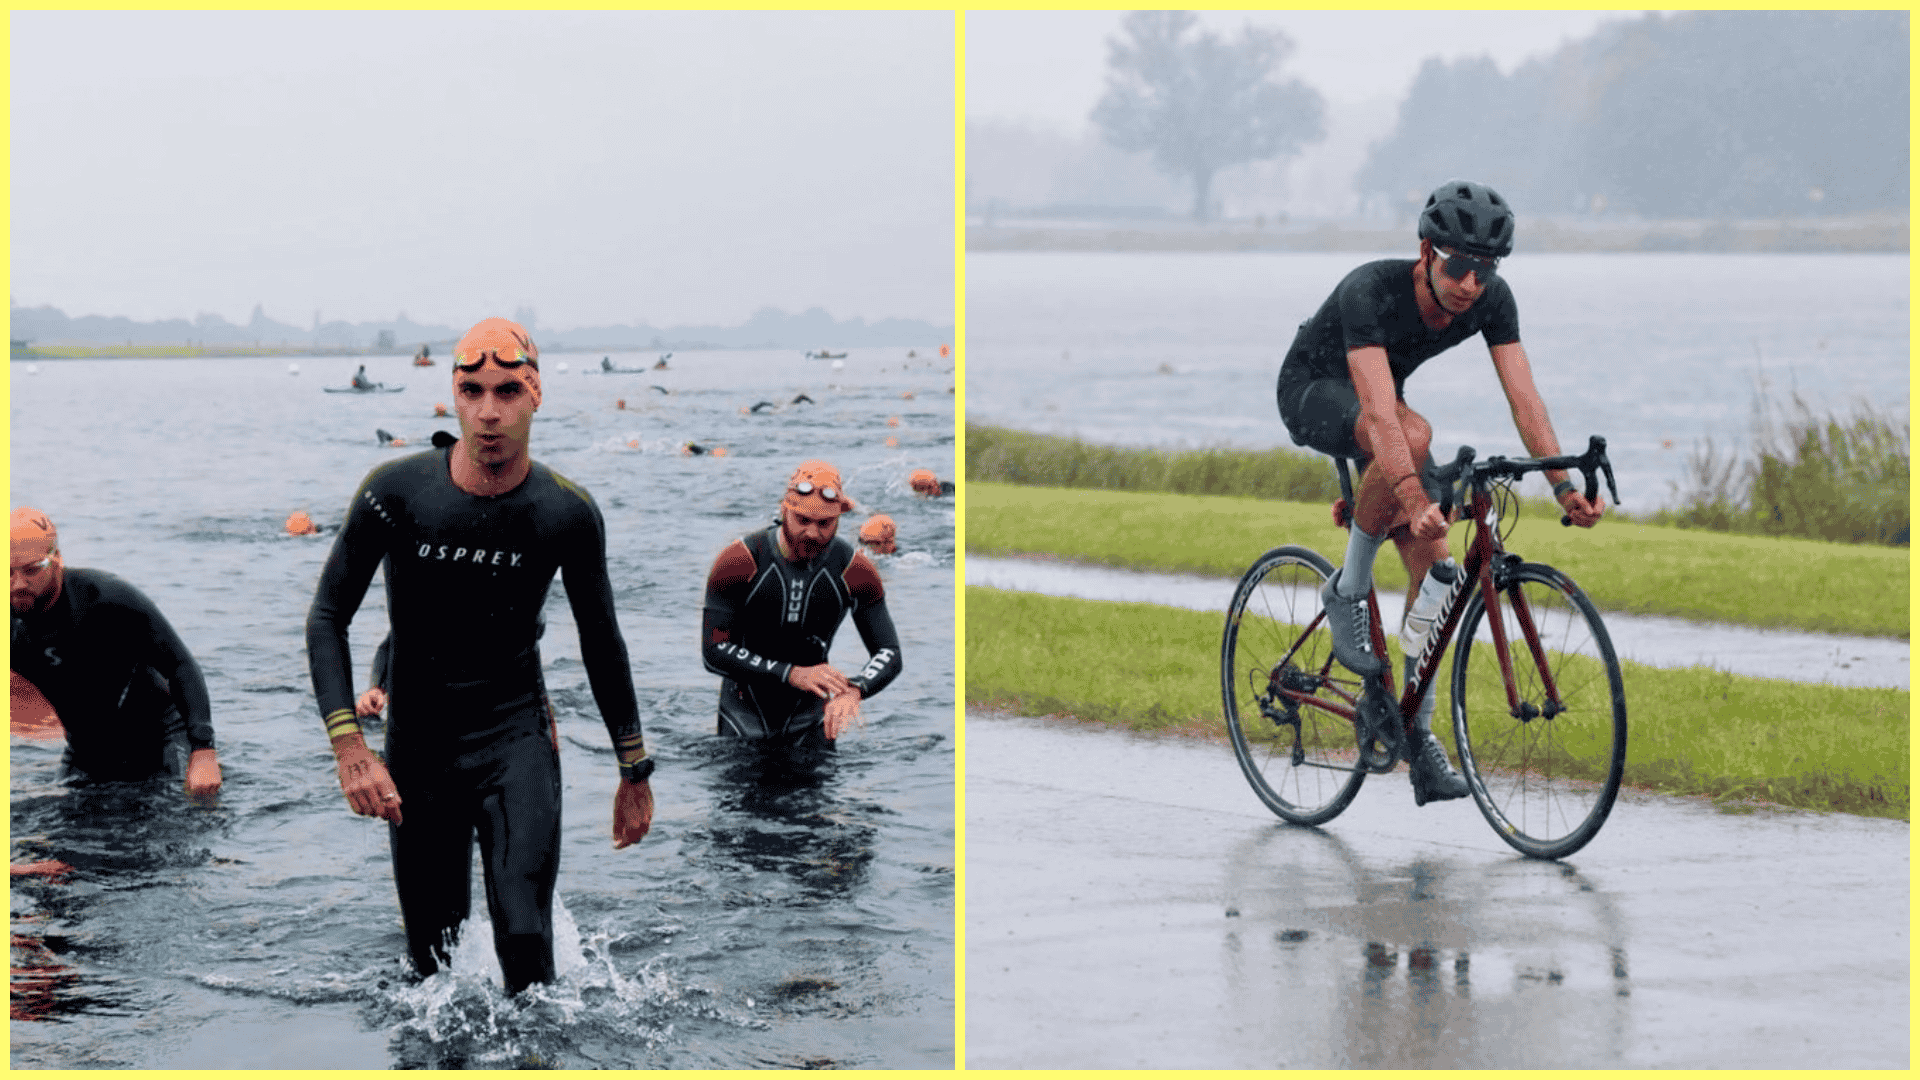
x=1342, y=392
x=775, y=599
x=471, y=535
x=123, y=684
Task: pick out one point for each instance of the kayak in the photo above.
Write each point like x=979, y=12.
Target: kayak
x=376, y=388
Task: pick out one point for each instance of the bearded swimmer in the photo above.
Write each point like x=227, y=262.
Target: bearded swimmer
x=131, y=697
x=775, y=599
x=471, y=535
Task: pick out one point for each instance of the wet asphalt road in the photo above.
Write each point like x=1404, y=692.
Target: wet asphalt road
x=1839, y=659
x=1130, y=904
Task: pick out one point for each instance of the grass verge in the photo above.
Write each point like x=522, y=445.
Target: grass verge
x=1623, y=566
x=1691, y=731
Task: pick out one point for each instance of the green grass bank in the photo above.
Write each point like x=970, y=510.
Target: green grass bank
x=1813, y=477
x=1691, y=731
x=1624, y=566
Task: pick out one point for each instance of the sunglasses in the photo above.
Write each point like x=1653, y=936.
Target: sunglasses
x=1460, y=265
x=32, y=568
x=805, y=487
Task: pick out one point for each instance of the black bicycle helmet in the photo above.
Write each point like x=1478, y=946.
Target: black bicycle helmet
x=1469, y=217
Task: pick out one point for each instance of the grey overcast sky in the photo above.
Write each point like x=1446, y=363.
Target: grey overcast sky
x=661, y=167
x=1048, y=67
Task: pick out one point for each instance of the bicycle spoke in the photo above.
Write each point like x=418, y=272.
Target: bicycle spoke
x=1544, y=770
x=1276, y=649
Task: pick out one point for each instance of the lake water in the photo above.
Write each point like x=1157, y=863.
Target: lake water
x=1658, y=352
x=769, y=920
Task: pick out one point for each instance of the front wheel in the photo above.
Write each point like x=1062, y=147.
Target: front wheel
x=1275, y=655
x=1545, y=763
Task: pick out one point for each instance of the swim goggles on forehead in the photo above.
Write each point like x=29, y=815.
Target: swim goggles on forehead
x=518, y=359
x=1460, y=264
x=805, y=487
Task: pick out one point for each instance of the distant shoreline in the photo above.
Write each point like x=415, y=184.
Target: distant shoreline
x=1885, y=235
x=135, y=351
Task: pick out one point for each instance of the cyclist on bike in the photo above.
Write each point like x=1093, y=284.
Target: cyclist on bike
x=1342, y=392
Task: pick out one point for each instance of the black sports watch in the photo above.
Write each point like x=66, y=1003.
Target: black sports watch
x=634, y=772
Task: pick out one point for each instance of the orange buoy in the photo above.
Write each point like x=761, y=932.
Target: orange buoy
x=633, y=444
x=943, y=352
x=299, y=524
x=893, y=421
x=30, y=715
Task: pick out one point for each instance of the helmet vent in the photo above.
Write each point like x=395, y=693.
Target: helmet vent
x=1466, y=224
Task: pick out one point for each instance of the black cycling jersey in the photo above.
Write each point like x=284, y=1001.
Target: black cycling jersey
x=765, y=615
x=1375, y=305
x=120, y=679
x=467, y=576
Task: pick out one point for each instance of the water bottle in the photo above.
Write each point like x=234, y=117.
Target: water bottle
x=1426, y=606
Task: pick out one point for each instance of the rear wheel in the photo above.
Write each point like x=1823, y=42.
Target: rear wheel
x=1302, y=761
x=1545, y=772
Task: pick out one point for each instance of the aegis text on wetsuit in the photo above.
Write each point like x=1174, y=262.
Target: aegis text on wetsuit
x=768, y=612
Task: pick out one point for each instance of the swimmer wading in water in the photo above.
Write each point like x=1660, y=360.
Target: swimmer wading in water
x=775, y=599
x=471, y=536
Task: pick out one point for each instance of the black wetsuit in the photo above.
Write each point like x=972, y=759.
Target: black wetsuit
x=764, y=616
x=470, y=742
x=1373, y=305
x=125, y=687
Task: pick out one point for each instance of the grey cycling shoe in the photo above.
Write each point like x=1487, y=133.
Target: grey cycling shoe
x=1433, y=777
x=1351, y=629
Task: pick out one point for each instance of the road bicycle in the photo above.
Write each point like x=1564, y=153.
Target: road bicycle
x=1539, y=713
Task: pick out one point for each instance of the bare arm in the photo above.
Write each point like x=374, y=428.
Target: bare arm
x=1530, y=419
x=1380, y=435
x=1523, y=398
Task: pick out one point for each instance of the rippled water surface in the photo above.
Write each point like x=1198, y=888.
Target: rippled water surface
x=771, y=919
x=1658, y=352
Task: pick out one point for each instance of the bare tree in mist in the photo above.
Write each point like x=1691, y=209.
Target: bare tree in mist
x=1199, y=102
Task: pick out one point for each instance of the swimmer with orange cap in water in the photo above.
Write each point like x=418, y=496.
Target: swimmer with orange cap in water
x=471, y=535
x=877, y=534
x=775, y=599
x=121, y=682
x=924, y=482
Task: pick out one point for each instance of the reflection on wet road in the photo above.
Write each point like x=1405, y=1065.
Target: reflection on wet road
x=1131, y=905
x=1839, y=659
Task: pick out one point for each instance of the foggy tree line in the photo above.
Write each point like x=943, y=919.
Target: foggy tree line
x=1702, y=114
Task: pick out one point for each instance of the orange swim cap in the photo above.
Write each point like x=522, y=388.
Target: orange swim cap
x=718, y=451
x=878, y=531
x=924, y=482
x=439, y=409
x=504, y=342
x=893, y=421
x=30, y=524
x=822, y=492
x=299, y=524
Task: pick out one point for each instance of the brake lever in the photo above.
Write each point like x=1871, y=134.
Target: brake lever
x=1592, y=463
x=1461, y=467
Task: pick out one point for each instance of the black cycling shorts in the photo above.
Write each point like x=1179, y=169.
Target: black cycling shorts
x=1322, y=414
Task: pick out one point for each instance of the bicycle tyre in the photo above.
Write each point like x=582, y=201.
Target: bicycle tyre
x=1546, y=783
x=1306, y=771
